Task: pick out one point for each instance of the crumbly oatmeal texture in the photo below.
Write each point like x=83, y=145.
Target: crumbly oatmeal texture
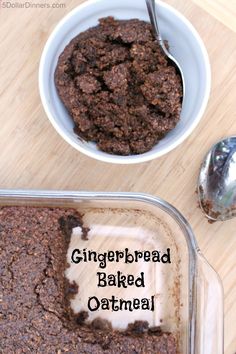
x=117, y=86
x=35, y=316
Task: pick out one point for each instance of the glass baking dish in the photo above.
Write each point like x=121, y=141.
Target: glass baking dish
x=187, y=292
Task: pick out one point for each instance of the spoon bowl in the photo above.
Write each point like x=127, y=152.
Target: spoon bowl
x=151, y=7
x=217, y=181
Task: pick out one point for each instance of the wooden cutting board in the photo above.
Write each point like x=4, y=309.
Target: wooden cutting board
x=33, y=155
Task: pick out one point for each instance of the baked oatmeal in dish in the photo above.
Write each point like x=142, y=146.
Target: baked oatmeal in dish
x=35, y=312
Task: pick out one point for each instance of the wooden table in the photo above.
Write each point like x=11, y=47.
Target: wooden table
x=33, y=155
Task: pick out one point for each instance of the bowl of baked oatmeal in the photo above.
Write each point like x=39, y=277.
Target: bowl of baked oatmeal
x=108, y=89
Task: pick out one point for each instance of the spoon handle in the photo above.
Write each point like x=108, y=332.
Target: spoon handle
x=151, y=7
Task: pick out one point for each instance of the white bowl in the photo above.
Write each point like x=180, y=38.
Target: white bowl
x=185, y=45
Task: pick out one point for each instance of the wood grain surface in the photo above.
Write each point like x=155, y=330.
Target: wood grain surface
x=33, y=155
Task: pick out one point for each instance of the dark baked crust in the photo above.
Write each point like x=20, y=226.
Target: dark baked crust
x=117, y=86
x=35, y=315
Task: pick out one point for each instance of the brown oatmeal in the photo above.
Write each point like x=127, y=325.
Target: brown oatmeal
x=118, y=87
x=35, y=315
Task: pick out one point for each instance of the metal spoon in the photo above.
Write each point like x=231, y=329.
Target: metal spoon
x=217, y=181
x=151, y=7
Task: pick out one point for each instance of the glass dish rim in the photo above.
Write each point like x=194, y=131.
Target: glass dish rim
x=125, y=196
